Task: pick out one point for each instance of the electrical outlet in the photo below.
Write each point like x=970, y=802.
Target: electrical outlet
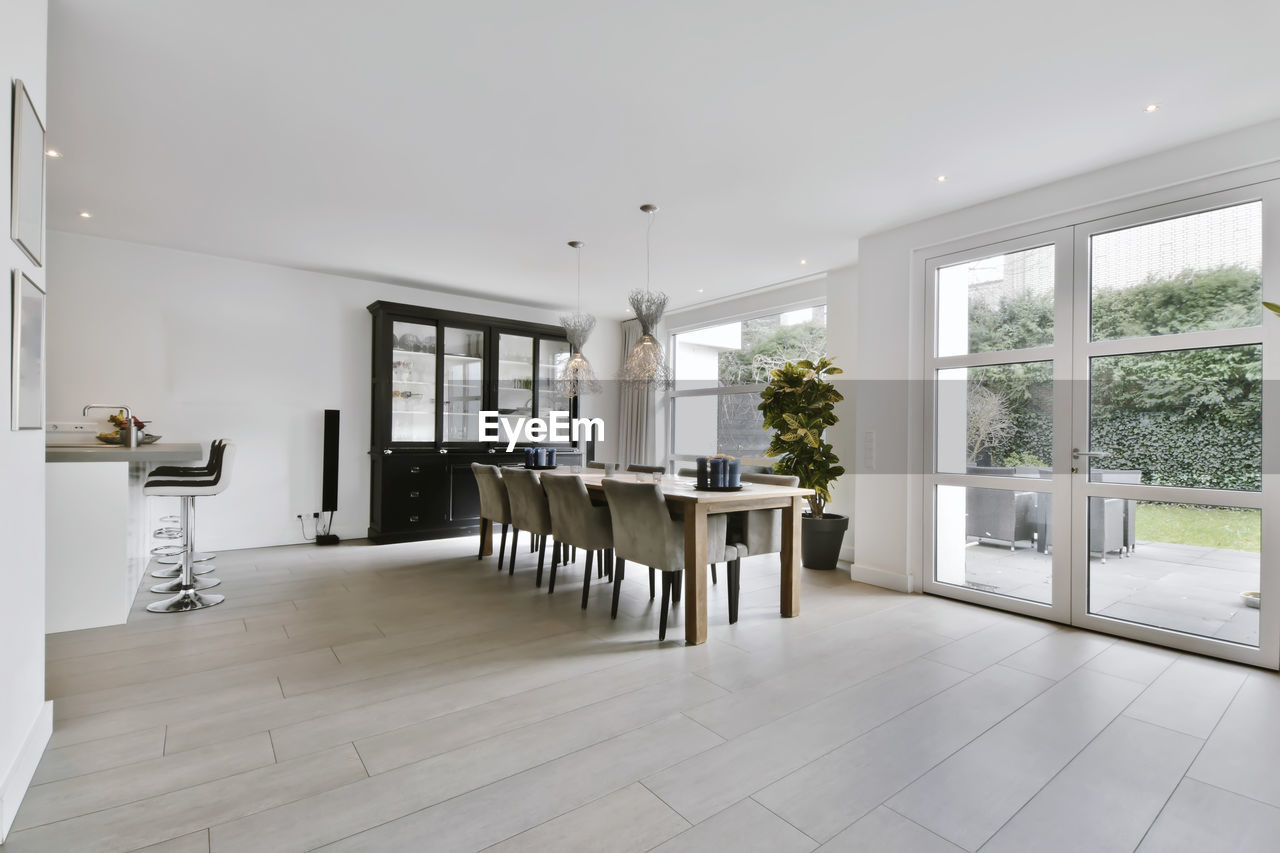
x=72, y=427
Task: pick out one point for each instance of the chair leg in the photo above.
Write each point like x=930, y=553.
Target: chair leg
x=651, y=583
x=666, y=601
x=713, y=574
x=515, y=537
x=542, y=556
x=608, y=563
x=586, y=582
x=678, y=583
x=533, y=544
x=480, y=550
x=619, y=569
x=502, y=550
x=735, y=568
x=573, y=554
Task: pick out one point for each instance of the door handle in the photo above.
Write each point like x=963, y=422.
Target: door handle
x=1076, y=453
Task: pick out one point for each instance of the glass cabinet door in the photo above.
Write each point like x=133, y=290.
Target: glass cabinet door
x=413, y=382
x=552, y=357
x=515, y=375
x=463, y=392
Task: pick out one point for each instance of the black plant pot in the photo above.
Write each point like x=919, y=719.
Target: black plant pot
x=820, y=540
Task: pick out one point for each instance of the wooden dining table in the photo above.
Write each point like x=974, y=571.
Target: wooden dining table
x=695, y=505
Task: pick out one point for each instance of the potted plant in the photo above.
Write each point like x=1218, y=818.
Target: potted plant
x=799, y=406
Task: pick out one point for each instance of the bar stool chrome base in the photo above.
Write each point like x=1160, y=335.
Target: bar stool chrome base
x=175, y=585
x=197, y=557
x=176, y=571
x=186, y=600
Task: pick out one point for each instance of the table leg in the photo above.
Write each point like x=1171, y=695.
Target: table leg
x=695, y=574
x=486, y=537
x=791, y=557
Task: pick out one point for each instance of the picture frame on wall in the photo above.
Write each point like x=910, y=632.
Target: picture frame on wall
x=26, y=190
x=28, y=353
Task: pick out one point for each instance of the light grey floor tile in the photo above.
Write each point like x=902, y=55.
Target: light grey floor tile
x=496, y=812
x=1058, y=654
x=1107, y=797
x=886, y=830
x=1200, y=818
x=1190, y=696
x=196, y=842
x=1134, y=661
x=95, y=755
x=1243, y=753
x=630, y=820
x=969, y=796
x=828, y=794
x=155, y=819
x=79, y=795
x=744, y=827
x=404, y=790
x=979, y=650
x=703, y=786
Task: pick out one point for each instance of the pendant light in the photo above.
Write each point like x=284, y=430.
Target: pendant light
x=577, y=377
x=646, y=363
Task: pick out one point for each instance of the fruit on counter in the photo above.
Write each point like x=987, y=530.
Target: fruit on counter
x=118, y=420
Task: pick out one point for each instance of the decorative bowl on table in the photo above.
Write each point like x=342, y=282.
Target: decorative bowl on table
x=114, y=438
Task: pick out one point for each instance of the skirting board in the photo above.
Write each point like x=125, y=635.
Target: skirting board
x=14, y=786
x=896, y=581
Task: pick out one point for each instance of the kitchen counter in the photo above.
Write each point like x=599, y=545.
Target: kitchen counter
x=174, y=453
x=98, y=528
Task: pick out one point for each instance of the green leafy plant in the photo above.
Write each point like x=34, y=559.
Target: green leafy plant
x=799, y=405
x=1272, y=307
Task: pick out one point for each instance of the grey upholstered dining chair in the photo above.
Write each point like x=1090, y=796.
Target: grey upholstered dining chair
x=645, y=533
x=604, y=466
x=576, y=521
x=754, y=532
x=647, y=469
x=494, y=505
x=529, y=512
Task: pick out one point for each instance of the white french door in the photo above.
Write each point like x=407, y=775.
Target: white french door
x=1098, y=426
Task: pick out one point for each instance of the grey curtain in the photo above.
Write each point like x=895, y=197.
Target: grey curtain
x=636, y=428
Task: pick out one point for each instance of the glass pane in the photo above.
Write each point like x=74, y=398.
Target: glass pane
x=413, y=382
x=1184, y=567
x=996, y=421
x=743, y=353
x=1190, y=418
x=515, y=375
x=996, y=541
x=724, y=423
x=1189, y=274
x=552, y=357
x=463, y=383
x=998, y=303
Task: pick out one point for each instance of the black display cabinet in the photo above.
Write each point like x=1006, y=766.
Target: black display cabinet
x=433, y=373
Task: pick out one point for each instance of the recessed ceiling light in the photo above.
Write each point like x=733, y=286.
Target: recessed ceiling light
x=942, y=179
x=803, y=261
x=1150, y=108
x=84, y=214
x=52, y=153
x=700, y=289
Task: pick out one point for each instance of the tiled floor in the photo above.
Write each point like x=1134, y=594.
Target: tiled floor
x=410, y=698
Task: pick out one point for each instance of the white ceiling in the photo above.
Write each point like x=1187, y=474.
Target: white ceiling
x=459, y=145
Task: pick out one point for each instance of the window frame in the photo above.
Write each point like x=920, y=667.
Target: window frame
x=673, y=392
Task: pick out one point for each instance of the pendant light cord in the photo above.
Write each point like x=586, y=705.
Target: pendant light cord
x=648, y=248
x=578, y=249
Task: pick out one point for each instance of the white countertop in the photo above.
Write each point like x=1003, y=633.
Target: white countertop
x=158, y=452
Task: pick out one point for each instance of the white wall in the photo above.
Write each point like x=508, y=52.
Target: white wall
x=207, y=347
x=889, y=314
x=25, y=718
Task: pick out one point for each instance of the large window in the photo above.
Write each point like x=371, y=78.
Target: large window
x=720, y=371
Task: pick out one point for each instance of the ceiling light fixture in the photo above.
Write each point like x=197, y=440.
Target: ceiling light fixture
x=84, y=214
x=803, y=261
x=646, y=363
x=53, y=153
x=578, y=377
x=1150, y=108
x=942, y=179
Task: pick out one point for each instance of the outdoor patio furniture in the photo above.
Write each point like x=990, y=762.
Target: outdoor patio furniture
x=1000, y=516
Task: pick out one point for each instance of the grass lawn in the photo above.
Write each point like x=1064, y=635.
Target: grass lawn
x=1207, y=527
